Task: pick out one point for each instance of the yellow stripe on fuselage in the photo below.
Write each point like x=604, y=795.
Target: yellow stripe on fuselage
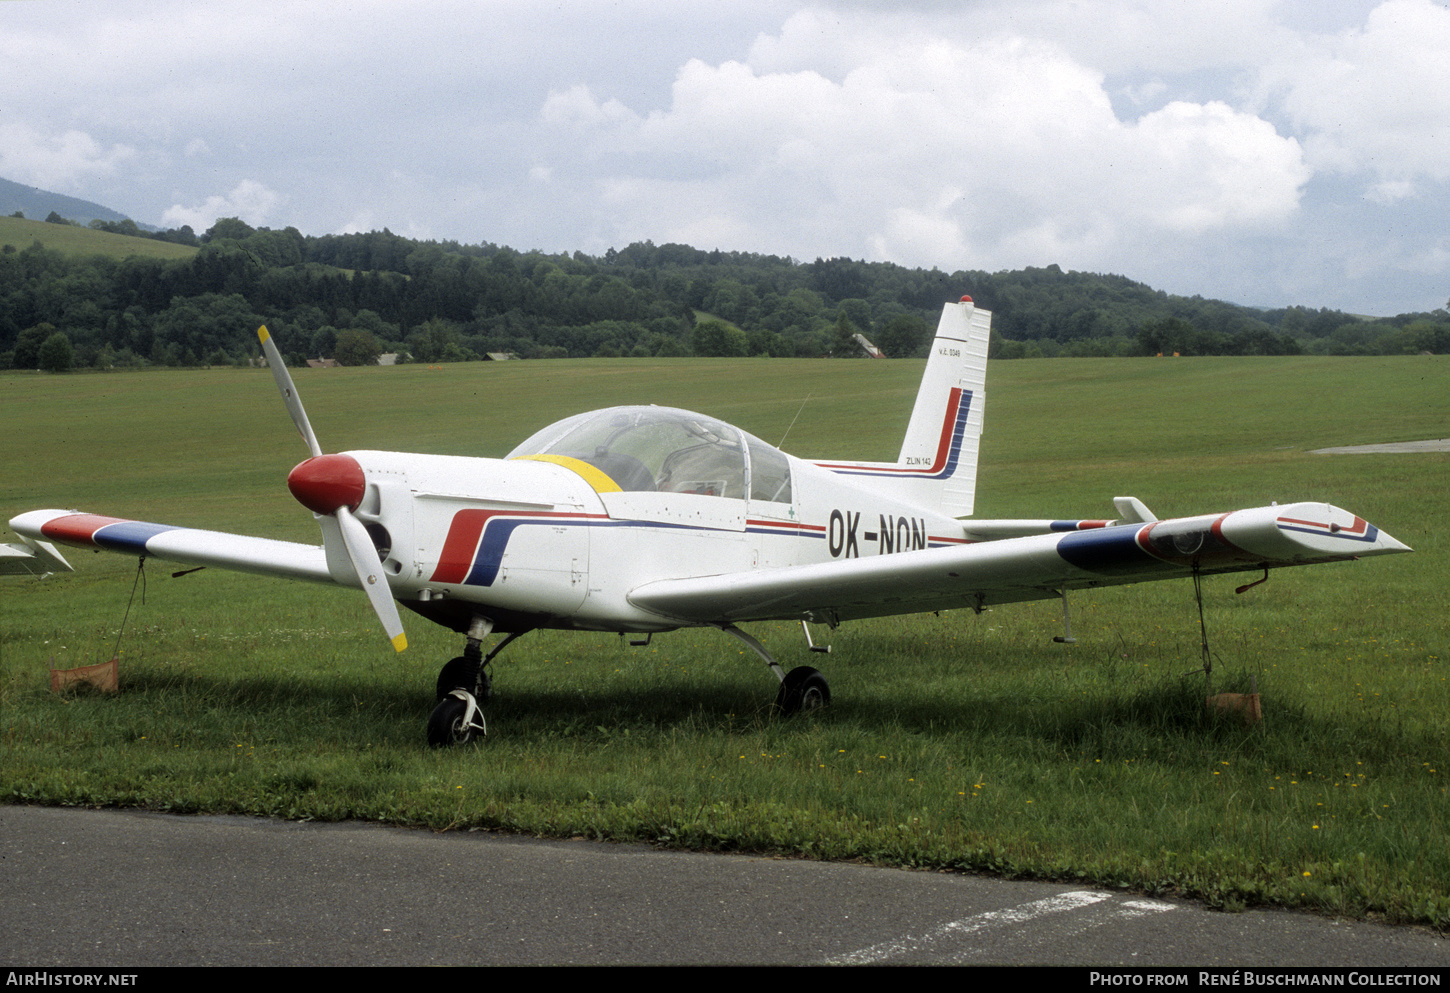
x=597, y=478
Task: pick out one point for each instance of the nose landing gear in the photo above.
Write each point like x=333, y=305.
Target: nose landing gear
x=463, y=687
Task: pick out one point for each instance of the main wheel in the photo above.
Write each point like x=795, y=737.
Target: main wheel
x=803, y=688
x=453, y=676
x=446, y=726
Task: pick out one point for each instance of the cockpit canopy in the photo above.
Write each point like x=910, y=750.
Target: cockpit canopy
x=664, y=450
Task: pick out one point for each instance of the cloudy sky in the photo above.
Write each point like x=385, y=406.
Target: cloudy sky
x=1258, y=151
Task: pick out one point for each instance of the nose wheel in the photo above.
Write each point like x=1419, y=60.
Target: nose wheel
x=463, y=687
x=456, y=720
x=463, y=673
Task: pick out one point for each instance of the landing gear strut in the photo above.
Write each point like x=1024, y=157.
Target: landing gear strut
x=801, y=689
x=463, y=686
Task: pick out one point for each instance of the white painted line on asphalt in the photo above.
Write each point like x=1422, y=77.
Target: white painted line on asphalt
x=1080, y=925
x=992, y=918
x=1137, y=908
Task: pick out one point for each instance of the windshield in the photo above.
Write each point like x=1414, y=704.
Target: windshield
x=665, y=450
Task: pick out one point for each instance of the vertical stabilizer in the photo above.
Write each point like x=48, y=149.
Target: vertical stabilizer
x=937, y=467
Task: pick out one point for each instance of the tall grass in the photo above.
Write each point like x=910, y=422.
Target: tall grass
x=954, y=741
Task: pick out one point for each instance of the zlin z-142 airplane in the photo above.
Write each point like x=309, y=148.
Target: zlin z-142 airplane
x=648, y=519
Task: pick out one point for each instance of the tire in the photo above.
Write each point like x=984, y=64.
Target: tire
x=445, y=725
x=803, y=689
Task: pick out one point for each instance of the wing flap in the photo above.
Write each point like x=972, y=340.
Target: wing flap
x=187, y=546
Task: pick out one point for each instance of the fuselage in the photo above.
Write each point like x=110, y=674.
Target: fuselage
x=558, y=533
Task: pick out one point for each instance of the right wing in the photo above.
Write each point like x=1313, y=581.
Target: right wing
x=187, y=546
x=1014, y=569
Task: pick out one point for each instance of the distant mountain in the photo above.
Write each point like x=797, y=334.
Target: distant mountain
x=37, y=205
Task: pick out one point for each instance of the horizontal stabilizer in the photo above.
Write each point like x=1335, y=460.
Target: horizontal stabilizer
x=1130, y=511
x=31, y=558
x=1133, y=511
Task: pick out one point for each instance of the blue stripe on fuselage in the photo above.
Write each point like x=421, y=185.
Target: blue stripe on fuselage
x=1371, y=533
x=488, y=559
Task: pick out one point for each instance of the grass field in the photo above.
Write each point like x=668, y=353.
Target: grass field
x=72, y=240
x=955, y=741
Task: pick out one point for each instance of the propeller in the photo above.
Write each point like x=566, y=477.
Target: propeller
x=333, y=486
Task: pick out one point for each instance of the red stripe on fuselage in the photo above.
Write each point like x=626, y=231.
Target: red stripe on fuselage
x=461, y=545
x=786, y=526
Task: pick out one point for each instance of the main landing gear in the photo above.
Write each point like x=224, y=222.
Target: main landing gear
x=463, y=687
x=801, y=689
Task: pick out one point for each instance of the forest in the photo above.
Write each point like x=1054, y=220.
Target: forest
x=354, y=297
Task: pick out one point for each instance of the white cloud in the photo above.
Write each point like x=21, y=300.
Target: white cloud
x=576, y=106
x=1390, y=191
x=1376, y=98
x=1213, y=167
x=985, y=153
x=57, y=162
x=1275, y=145
x=920, y=234
x=248, y=200
x=1114, y=36
x=359, y=223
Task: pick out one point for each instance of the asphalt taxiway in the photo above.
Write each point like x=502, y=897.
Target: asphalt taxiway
x=129, y=888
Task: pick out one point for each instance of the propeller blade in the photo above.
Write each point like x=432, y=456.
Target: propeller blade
x=365, y=560
x=328, y=485
x=289, y=392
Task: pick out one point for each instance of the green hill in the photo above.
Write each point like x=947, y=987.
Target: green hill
x=71, y=240
x=181, y=298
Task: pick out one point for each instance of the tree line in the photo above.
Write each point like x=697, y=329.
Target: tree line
x=354, y=296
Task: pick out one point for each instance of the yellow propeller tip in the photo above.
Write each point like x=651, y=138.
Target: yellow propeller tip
x=400, y=642
x=262, y=334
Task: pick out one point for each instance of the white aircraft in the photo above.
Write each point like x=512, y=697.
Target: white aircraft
x=647, y=519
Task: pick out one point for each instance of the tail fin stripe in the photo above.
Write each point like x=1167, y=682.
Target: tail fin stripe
x=943, y=465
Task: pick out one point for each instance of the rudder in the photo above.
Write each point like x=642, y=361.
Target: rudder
x=937, y=467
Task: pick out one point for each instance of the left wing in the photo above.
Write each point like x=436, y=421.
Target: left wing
x=1023, y=568
x=188, y=546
